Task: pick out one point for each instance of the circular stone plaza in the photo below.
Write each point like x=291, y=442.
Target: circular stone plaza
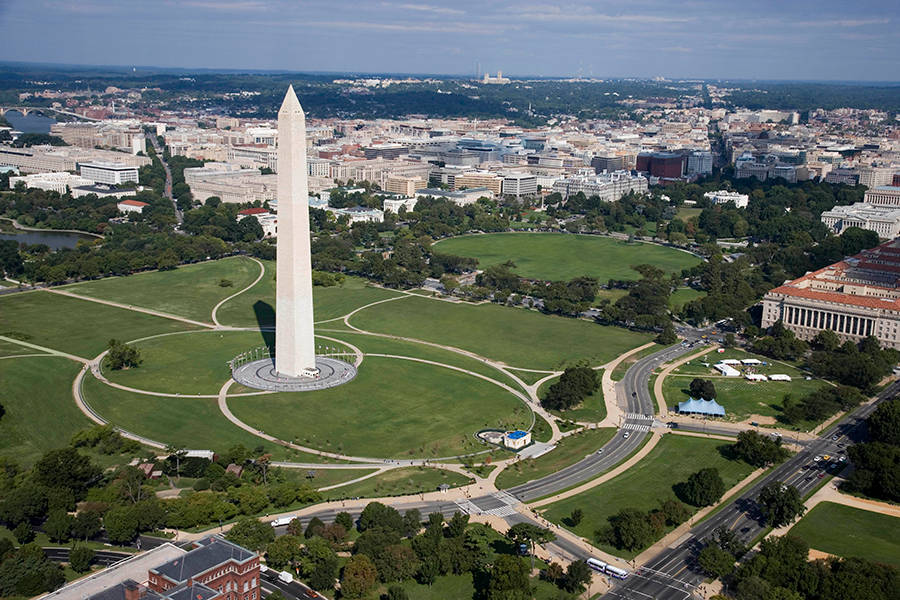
x=261, y=375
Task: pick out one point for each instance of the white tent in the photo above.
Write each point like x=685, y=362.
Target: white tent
x=726, y=370
x=751, y=361
x=780, y=377
x=755, y=377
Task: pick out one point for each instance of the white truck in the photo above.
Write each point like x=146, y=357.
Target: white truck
x=285, y=577
x=280, y=521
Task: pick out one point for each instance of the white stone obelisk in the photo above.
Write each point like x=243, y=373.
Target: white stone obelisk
x=295, y=348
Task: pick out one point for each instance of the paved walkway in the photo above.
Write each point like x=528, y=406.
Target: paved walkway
x=147, y=311
x=43, y=349
x=262, y=272
x=614, y=413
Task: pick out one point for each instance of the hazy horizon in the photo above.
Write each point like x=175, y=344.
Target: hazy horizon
x=699, y=39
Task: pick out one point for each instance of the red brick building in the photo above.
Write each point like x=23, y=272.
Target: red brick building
x=230, y=571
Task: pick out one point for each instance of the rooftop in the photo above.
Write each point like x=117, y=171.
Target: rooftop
x=213, y=551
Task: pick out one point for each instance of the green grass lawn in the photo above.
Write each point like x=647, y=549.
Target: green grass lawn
x=563, y=256
x=74, y=326
x=398, y=482
x=848, y=531
x=686, y=213
x=189, y=291
x=569, y=451
x=190, y=363
x=324, y=477
x=256, y=306
x=40, y=412
x=371, y=344
x=591, y=410
x=518, y=337
x=609, y=294
x=742, y=398
x=682, y=296
x=393, y=408
x=194, y=423
x=645, y=485
x=13, y=349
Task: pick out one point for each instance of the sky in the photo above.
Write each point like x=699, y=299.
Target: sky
x=749, y=39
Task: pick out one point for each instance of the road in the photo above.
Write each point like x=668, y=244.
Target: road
x=159, y=153
x=101, y=557
x=674, y=574
x=269, y=582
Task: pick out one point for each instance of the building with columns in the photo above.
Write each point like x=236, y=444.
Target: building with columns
x=855, y=298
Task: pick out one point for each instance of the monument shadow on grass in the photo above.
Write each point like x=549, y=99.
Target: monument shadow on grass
x=265, y=320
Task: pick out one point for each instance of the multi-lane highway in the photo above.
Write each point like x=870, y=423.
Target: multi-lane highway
x=674, y=574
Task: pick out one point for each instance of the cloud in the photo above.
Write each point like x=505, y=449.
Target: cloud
x=844, y=23
x=439, y=10
x=582, y=14
x=431, y=27
x=225, y=5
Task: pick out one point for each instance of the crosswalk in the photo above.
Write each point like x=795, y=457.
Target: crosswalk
x=637, y=426
x=638, y=417
x=506, y=509
x=501, y=511
x=467, y=508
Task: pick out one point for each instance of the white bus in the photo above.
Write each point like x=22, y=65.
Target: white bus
x=602, y=567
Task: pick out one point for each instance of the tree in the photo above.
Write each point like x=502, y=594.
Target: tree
x=314, y=527
x=121, y=524
x=456, y=526
x=667, y=336
x=23, y=533
x=58, y=526
x=284, y=551
x=574, y=385
x=80, y=558
x=28, y=572
x=758, y=450
x=359, y=576
x=122, y=356
x=376, y=514
x=251, y=533
x=780, y=503
x=508, y=579
x=429, y=569
x=345, y=520
x=715, y=561
x=526, y=533
x=86, y=525
x=629, y=529
x=67, y=469
x=884, y=423
x=576, y=517
x=319, y=564
x=703, y=388
x=703, y=488
x=578, y=575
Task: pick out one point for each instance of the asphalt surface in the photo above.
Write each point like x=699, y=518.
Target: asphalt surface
x=101, y=557
x=179, y=216
x=674, y=573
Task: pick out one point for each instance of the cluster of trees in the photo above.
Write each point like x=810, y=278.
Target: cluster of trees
x=781, y=571
x=26, y=140
x=876, y=463
x=781, y=344
x=11, y=263
x=703, y=488
x=780, y=504
x=120, y=355
x=574, y=385
x=27, y=571
x=219, y=220
x=632, y=529
x=105, y=440
x=392, y=548
x=860, y=365
x=820, y=404
x=758, y=450
x=702, y=388
x=646, y=306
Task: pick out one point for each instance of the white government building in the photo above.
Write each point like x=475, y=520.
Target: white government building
x=724, y=197
x=884, y=221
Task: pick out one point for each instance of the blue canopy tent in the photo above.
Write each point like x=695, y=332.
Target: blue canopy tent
x=701, y=407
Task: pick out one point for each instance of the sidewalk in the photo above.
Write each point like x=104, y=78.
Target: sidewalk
x=614, y=413
x=657, y=385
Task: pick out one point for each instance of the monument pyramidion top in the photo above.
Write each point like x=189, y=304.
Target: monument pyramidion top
x=291, y=104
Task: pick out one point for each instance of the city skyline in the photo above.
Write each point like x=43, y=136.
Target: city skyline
x=708, y=40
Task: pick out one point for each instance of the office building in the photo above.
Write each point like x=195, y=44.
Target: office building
x=873, y=177
x=885, y=221
x=699, y=163
x=109, y=173
x=608, y=163
x=608, y=187
x=406, y=186
x=51, y=182
x=886, y=195
x=855, y=298
x=519, y=184
x=460, y=198
x=665, y=165
x=44, y=159
x=479, y=179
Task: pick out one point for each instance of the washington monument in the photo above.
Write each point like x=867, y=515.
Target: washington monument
x=295, y=348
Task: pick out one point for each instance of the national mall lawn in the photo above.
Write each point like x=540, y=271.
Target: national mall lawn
x=558, y=256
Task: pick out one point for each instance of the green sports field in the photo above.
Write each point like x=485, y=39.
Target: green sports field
x=74, y=326
x=393, y=408
x=189, y=291
x=517, y=337
x=847, y=531
x=564, y=256
x=647, y=483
